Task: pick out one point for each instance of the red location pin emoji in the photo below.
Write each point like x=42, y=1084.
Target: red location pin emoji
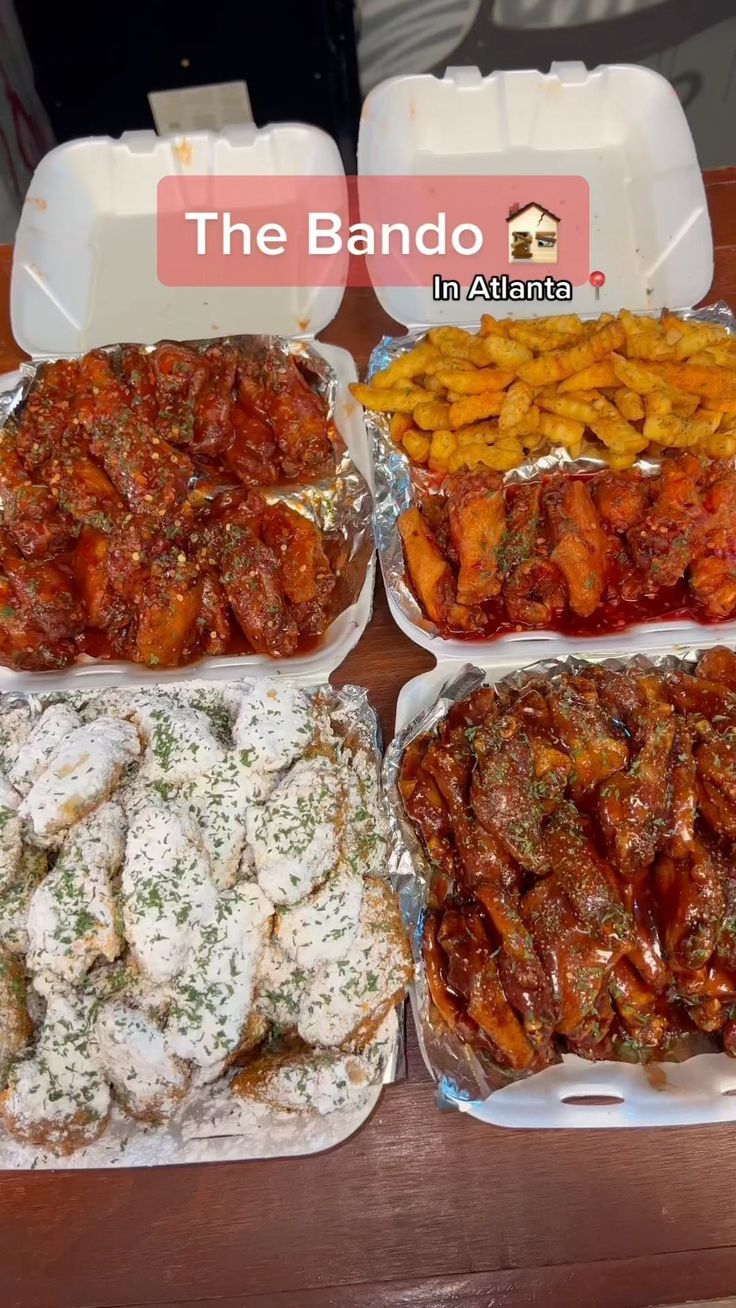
x=597, y=279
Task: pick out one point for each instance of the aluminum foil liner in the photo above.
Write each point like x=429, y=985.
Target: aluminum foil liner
x=340, y=505
x=395, y=490
x=460, y=1075
x=212, y=1125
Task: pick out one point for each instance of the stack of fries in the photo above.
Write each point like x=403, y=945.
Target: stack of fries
x=614, y=388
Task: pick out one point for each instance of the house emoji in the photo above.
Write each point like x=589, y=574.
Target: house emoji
x=532, y=234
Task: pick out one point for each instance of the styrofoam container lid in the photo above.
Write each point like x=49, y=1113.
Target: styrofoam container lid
x=620, y=126
x=84, y=264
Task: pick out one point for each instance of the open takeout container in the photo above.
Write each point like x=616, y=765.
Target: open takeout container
x=84, y=275
x=575, y=1092
x=623, y=128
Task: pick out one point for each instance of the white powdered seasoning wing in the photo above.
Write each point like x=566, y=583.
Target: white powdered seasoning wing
x=71, y=919
x=58, y=1098
x=167, y=887
x=81, y=772
x=294, y=836
x=214, y=994
x=180, y=742
x=45, y=736
x=324, y=925
x=346, y=999
x=148, y=1080
x=273, y=725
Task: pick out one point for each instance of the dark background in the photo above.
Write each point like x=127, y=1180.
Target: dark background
x=94, y=65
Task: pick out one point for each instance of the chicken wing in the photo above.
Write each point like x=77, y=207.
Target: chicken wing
x=588, y=881
x=180, y=375
x=166, y=886
x=135, y=1057
x=22, y=644
x=691, y=898
x=621, y=499
x=45, y=592
x=634, y=807
x=663, y=542
x=579, y=549
x=251, y=580
x=578, y=964
x=214, y=993
x=304, y=570
x=504, y=795
x=595, y=742
x=170, y=606
x=71, y=919
x=346, y=999
x=82, y=771
x=213, y=427
x=429, y=572
x=298, y=418
x=477, y=522
x=81, y=488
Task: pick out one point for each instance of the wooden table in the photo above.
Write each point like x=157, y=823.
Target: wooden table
x=420, y=1208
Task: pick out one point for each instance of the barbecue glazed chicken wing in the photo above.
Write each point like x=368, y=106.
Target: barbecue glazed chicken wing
x=582, y=835
x=121, y=532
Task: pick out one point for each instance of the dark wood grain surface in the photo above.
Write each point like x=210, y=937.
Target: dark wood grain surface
x=421, y=1209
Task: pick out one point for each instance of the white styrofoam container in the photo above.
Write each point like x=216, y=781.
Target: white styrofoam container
x=700, y=1090
x=84, y=275
x=622, y=127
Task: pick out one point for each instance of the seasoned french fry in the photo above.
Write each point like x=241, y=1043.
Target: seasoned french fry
x=394, y=400
x=443, y=444
x=563, y=363
x=674, y=432
x=721, y=445
x=490, y=326
x=617, y=462
x=516, y=401
x=684, y=405
x=628, y=403
x=645, y=345
x=713, y=384
x=697, y=337
x=657, y=402
x=505, y=353
x=528, y=425
x=561, y=431
x=475, y=381
x=709, y=416
x=476, y=432
x=568, y=406
x=409, y=365
x=613, y=430
x=431, y=382
x=474, y=407
x=399, y=425
x=501, y=456
x=432, y=415
x=417, y=446
x=634, y=375
x=598, y=375
x=455, y=343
